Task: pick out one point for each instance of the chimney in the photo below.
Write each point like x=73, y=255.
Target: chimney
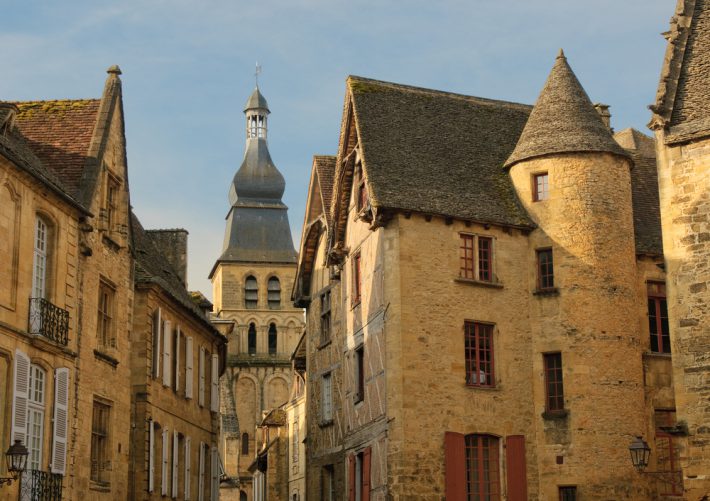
x=8, y=111
x=173, y=245
x=603, y=110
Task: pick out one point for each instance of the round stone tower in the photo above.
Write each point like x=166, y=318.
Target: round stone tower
x=574, y=180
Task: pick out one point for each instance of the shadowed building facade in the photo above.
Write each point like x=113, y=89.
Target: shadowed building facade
x=251, y=280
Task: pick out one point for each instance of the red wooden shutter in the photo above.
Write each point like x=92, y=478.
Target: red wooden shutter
x=351, y=477
x=366, y=455
x=455, y=466
x=515, y=461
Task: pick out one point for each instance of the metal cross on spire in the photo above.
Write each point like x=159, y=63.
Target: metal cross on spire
x=257, y=72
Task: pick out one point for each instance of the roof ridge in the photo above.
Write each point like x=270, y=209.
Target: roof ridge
x=425, y=90
x=32, y=101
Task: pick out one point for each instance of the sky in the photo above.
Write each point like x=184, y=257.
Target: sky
x=188, y=68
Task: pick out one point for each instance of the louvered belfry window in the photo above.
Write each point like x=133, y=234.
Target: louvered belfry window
x=251, y=293
x=274, y=293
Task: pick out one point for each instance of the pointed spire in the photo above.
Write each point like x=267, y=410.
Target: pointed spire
x=256, y=102
x=563, y=120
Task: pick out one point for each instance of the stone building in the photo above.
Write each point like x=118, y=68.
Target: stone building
x=69, y=271
x=251, y=280
x=177, y=357
x=477, y=276
x=295, y=409
x=681, y=122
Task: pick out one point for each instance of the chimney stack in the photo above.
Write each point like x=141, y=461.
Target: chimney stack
x=603, y=110
x=173, y=244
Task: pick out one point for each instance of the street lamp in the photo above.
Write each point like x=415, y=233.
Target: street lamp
x=16, y=457
x=640, y=452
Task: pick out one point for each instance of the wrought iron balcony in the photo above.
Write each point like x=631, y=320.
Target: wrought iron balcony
x=49, y=320
x=37, y=485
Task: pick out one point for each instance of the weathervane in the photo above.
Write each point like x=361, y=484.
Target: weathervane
x=257, y=72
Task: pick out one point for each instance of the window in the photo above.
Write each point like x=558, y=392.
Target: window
x=658, y=317
x=359, y=475
x=35, y=417
x=541, y=190
x=274, y=293
x=357, y=279
x=568, y=493
x=668, y=454
x=157, y=324
x=482, y=467
x=256, y=126
x=554, y=391
x=251, y=339
x=476, y=257
x=325, y=317
x=39, y=274
x=245, y=444
x=326, y=398
x=545, y=276
x=294, y=445
x=479, y=354
x=328, y=481
x=105, y=325
x=273, y=338
x=251, y=293
x=100, y=462
x=363, y=199
x=359, y=374
x=112, y=190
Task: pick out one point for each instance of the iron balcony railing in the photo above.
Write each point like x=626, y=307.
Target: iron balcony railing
x=49, y=320
x=37, y=485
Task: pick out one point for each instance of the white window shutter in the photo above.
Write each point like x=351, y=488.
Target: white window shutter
x=177, y=358
x=214, y=396
x=176, y=455
x=164, y=469
x=214, y=466
x=188, y=368
x=21, y=392
x=61, y=420
x=201, y=376
x=157, y=346
x=201, y=474
x=188, y=460
x=167, y=346
x=151, y=455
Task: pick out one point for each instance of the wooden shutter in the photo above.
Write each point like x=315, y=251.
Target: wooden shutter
x=366, y=462
x=351, y=477
x=515, y=462
x=188, y=460
x=164, y=468
x=201, y=377
x=151, y=455
x=176, y=455
x=167, y=348
x=188, y=367
x=177, y=358
x=19, y=402
x=214, y=396
x=455, y=466
x=201, y=474
x=214, y=465
x=157, y=346
x=61, y=418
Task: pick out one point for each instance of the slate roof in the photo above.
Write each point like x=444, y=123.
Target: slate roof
x=59, y=133
x=437, y=152
x=152, y=267
x=256, y=101
x=563, y=120
x=683, y=97
x=325, y=169
x=644, y=191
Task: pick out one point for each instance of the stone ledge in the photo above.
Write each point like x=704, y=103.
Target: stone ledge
x=546, y=292
x=480, y=283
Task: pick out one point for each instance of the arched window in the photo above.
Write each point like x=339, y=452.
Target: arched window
x=251, y=292
x=274, y=293
x=39, y=270
x=272, y=339
x=242, y=496
x=245, y=444
x=251, y=339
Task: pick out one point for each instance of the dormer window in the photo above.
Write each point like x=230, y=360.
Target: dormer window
x=256, y=125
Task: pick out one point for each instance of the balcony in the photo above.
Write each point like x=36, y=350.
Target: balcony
x=37, y=485
x=49, y=320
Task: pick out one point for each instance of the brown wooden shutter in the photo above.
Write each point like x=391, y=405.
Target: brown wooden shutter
x=351, y=477
x=515, y=461
x=366, y=455
x=455, y=466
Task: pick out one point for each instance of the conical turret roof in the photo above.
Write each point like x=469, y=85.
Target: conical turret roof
x=563, y=120
x=256, y=101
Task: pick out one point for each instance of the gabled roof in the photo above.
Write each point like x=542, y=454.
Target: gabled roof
x=325, y=169
x=152, y=267
x=683, y=98
x=644, y=191
x=563, y=120
x=435, y=152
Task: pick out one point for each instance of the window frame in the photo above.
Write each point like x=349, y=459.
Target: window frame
x=656, y=294
x=245, y=442
x=325, y=316
x=362, y=196
x=111, y=202
x=567, y=492
x=357, y=278
x=106, y=307
x=252, y=335
x=249, y=302
x=273, y=339
x=538, y=194
x=542, y=276
x=672, y=450
x=100, y=446
x=273, y=292
x=473, y=330
x=359, y=394
x=36, y=411
x=554, y=402
x=326, y=398
x=489, y=483
x=472, y=258
x=41, y=257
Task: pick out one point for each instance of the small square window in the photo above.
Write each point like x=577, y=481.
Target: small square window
x=541, y=189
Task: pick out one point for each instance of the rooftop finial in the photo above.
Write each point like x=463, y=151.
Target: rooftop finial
x=257, y=72
x=561, y=54
x=114, y=70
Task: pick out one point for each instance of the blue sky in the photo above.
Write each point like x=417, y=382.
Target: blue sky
x=188, y=68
